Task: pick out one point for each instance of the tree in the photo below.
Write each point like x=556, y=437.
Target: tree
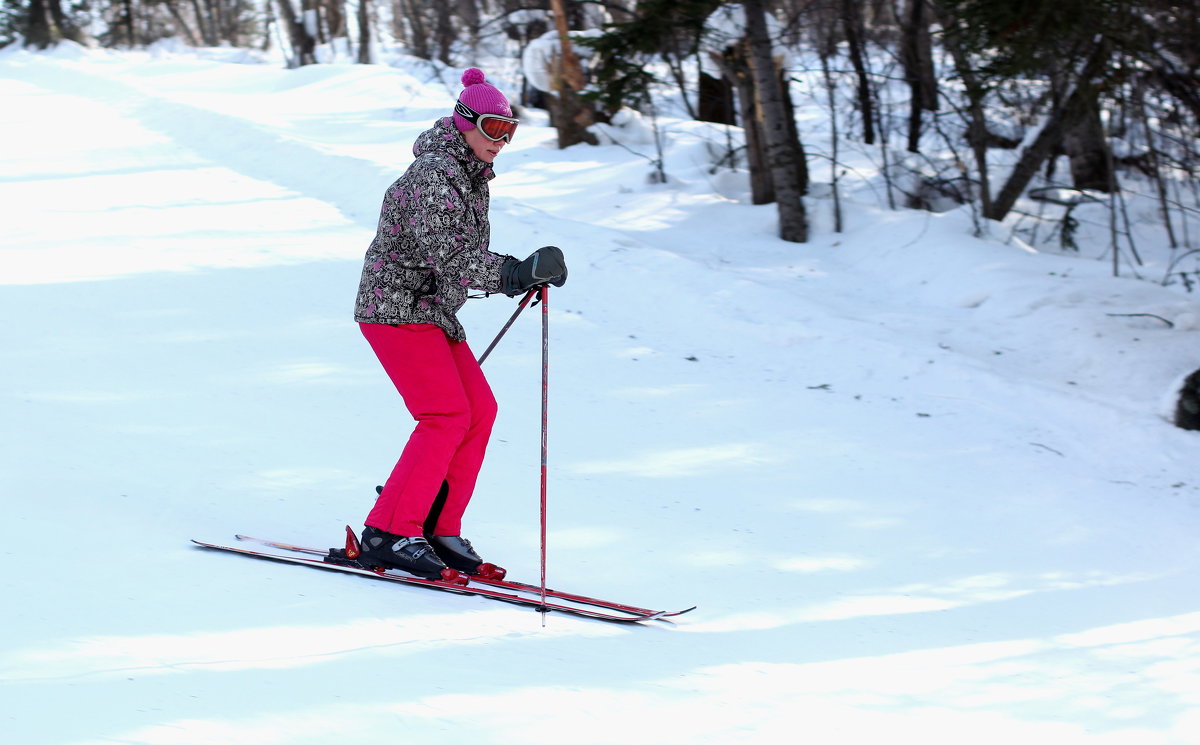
x=670, y=30
x=1086, y=145
x=43, y=23
x=1071, y=43
x=734, y=61
x=301, y=33
x=38, y=32
x=976, y=92
x=572, y=115
x=787, y=170
x=364, y=33
x=916, y=55
x=850, y=14
x=732, y=55
x=1060, y=119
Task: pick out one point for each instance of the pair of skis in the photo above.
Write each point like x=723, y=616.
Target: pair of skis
x=518, y=593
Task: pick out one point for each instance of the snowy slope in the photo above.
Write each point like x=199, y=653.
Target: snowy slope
x=920, y=484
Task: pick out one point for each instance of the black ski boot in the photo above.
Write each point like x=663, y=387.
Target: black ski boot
x=410, y=554
x=458, y=553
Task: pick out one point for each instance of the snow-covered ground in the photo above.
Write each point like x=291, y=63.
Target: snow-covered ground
x=921, y=485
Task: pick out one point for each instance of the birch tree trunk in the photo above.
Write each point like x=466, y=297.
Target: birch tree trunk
x=735, y=67
x=786, y=172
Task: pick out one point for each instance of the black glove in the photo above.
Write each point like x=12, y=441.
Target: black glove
x=544, y=266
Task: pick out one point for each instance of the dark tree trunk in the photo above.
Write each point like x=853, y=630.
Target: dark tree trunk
x=418, y=39
x=445, y=32
x=851, y=14
x=38, y=32
x=130, y=33
x=977, y=131
x=716, y=100
x=1087, y=148
x=916, y=55
x=797, y=148
x=1183, y=86
x=468, y=13
x=364, y=32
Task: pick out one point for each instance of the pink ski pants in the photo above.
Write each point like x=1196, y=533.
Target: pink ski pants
x=445, y=391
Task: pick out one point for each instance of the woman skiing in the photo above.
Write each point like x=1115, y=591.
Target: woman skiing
x=430, y=248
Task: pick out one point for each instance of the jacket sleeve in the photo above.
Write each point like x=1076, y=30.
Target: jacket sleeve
x=452, y=233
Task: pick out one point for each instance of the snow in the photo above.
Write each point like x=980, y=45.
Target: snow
x=726, y=27
x=538, y=57
x=921, y=485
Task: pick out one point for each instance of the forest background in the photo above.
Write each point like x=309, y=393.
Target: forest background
x=1011, y=107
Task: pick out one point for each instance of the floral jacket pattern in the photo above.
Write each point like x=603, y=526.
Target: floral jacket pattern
x=431, y=245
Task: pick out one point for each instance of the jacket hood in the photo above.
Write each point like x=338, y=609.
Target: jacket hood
x=444, y=137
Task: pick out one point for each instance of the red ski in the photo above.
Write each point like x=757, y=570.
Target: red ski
x=502, y=583
x=517, y=593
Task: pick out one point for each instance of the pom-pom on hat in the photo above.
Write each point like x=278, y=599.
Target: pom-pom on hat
x=480, y=97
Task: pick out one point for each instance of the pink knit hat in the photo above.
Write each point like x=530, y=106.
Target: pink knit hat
x=480, y=97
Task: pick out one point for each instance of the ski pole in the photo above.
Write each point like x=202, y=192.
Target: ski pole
x=544, y=294
x=517, y=312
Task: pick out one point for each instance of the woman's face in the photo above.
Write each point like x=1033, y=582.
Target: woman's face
x=484, y=149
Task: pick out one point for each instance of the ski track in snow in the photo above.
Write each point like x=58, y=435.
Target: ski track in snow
x=920, y=485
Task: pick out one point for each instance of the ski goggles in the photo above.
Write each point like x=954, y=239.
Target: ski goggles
x=492, y=126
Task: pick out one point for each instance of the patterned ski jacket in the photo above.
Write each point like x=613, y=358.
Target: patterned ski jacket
x=431, y=246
